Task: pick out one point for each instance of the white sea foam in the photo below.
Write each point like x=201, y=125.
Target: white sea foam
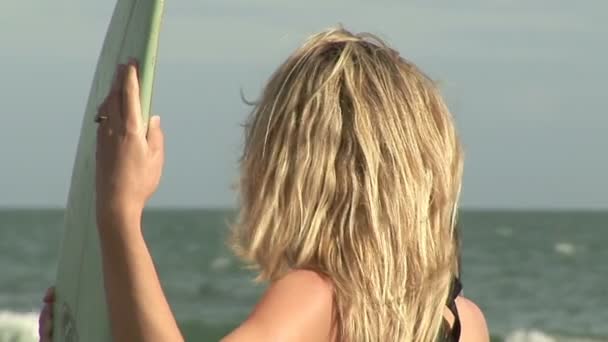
x=18, y=327
x=535, y=335
x=565, y=248
x=220, y=263
x=529, y=336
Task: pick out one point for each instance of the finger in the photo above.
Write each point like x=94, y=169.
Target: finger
x=102, y=110
x=106, y=128
x=156, y=137
x=115, y=113
x=48, y=327
x=131, y=104
x=49, y=296
x=45, y=324
x=44, y=315
x=116, y=84
x=116, y=79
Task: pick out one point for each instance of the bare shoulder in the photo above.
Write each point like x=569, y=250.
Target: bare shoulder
x=297, y=307
x=474, y=326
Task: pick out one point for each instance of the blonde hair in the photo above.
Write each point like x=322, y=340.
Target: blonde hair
x=352, y=168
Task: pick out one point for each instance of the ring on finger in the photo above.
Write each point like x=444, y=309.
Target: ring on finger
x=100, y=118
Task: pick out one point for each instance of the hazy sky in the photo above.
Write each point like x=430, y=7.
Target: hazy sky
x=526, y=81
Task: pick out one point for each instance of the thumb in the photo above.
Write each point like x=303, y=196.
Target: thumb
x=155, y=135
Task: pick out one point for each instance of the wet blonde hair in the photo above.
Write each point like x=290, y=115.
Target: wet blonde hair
x=352, y=168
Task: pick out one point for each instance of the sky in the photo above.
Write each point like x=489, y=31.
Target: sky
x=526, y=81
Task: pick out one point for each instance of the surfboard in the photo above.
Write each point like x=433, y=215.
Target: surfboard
x=80, y=312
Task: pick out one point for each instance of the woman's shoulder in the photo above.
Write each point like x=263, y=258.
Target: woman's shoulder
x=473, y=321
x=297, y=307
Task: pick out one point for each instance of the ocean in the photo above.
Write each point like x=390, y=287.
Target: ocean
x=538, y=276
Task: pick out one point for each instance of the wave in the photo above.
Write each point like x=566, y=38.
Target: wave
x=534, y=335
x=18, y=327
x=23, y=327
x=565, y=248
x=220, y=263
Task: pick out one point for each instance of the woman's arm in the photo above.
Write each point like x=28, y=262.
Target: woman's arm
x=138, y=308
x=128, y=169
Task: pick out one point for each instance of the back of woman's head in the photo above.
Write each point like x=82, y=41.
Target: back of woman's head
x=352, y=168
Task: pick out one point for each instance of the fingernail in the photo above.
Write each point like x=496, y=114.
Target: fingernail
x=48, y=296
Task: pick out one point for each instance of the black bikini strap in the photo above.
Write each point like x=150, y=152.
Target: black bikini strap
x=456, y=288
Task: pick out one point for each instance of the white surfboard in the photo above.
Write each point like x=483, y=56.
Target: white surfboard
x=80, y=312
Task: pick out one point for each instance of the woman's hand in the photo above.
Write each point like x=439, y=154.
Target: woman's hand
x=45, y=320
x=129, y=162
x=129, y=166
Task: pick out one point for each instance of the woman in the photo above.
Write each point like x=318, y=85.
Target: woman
x=350, y=179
